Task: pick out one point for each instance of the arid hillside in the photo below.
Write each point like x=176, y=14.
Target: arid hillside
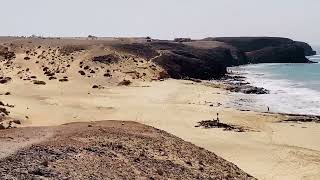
x=35, y=59
x=111, y=150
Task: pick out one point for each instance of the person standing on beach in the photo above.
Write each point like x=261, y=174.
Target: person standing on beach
x=218, y=120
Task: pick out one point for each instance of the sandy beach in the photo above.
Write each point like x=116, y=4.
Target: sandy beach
x=52, y=82
x=271, y=150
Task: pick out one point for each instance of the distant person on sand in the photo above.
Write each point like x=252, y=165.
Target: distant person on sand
x=218, y=120
x=268, y=108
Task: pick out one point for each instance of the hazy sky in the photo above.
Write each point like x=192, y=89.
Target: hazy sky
x=166, y=19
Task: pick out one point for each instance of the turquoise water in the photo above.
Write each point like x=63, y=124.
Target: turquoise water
x=302, y=75
x=294, y=88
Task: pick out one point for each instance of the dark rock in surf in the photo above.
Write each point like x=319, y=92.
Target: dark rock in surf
x=247, y=89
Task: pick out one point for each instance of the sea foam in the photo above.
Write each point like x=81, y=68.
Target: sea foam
x=287, y=94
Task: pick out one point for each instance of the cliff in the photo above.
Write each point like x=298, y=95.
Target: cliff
x=248, y=44
x=308, y=51
x=269, y=49
x=279, y=54
x=183, y=61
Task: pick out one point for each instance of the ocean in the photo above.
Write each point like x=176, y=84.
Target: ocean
x=294, y=88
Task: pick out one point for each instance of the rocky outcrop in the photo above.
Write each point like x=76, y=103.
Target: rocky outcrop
x=209, y=58
x=247, y=89
x=179, y=66
x=248, y=44
x=239, y=57
x=269, y=49
x=106, y=59
x=6, y=54
x=182, y=40
x=279, y=54
x=69, y=49
x=308, y=51
x=182, y=61
x=139, y=49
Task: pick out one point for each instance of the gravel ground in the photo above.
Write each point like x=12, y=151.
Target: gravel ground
x=110, y=150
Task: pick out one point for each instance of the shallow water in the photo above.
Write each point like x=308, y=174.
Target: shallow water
x=294, y=88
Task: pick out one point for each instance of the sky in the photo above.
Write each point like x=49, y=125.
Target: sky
x=163, y=19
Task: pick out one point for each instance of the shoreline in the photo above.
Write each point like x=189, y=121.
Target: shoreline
x=176, y=106
x=300, y=98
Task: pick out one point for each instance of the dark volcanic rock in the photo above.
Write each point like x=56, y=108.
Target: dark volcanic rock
x=5, y=80
x=301, y=118
x=138, y=49
x=182, y=61
x=226, y=127
x=269, y=49
x=69, y=49
x=124, y=83
x=6, y=54
x=247, y=89
x=82, y=73
x=39, y=82
x=280, y=54
x=179, y=66
x=247, y=44
x=308, y=51
x=182, y=40
x=107, y=59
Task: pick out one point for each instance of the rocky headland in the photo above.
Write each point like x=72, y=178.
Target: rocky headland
x=269, y=49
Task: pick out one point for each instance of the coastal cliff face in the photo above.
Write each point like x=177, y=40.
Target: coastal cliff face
x=308, y=51
x=209, y=58
x=270, y=49
x=248, y=44
x=183, y=61
x=279, y=54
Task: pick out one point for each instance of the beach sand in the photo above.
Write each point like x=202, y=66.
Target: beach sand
x=269, y=150
x=272, y=150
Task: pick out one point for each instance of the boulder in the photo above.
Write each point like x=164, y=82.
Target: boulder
x=124, y=83
x=247, y=89
x=106, y=59
x=39, y=82
x=6, y=54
